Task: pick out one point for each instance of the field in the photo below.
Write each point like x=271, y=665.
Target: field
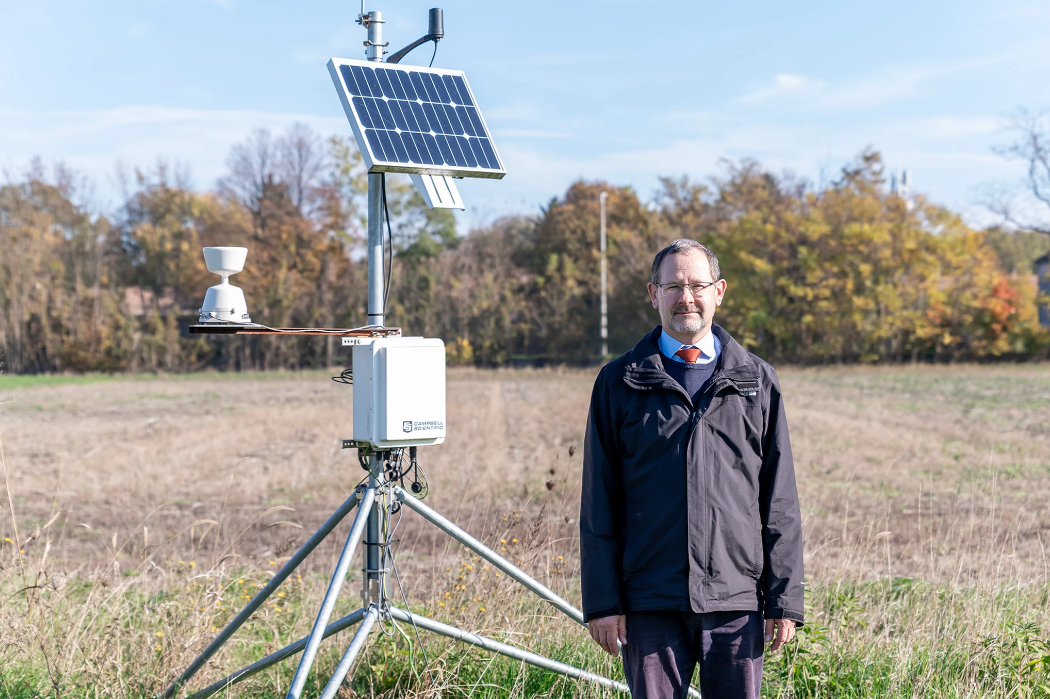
x=139, y=513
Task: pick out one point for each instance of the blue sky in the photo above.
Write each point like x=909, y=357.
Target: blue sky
x=614, y=90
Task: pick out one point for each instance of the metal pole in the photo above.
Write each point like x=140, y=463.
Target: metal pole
x=330, y=596
x=488, y=554
x=356, y=643
x=376, y=314
x=605, y=283
x=370, y=578
x=263, y=594
x=276, y=657
x=374, y=47
x=504, y=649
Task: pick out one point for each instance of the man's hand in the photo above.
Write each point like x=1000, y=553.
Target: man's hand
x=780, y=631
x=607, y=630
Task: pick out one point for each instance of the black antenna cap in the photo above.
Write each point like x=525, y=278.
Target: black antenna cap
x=437, y=24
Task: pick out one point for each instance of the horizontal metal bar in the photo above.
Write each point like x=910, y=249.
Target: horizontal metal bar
x=276, y=657
x=253, y=329
x=504, y=649
x=488, y=554
x=334, y=585
x=261, y=596
x=356, y=643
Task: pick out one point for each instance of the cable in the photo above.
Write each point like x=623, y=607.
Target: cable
x=434, y=54
x=404, y=598
x=390, y=239
x=345, y=376
x=290, y=331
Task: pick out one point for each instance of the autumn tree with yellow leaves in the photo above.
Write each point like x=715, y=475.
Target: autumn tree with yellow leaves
x=843, y=273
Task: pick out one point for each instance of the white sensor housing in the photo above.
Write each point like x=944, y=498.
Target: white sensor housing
x=224, y=301
x=399, y=392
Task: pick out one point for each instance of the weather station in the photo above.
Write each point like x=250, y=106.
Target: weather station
x=424, y=122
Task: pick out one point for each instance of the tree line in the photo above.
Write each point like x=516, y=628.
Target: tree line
x=846, y=272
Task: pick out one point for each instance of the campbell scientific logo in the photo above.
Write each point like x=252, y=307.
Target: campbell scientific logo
x=422, y=425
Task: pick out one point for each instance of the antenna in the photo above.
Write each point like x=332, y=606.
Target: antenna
x=435, y=33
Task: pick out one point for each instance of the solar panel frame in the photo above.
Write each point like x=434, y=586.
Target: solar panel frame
x=456, y=142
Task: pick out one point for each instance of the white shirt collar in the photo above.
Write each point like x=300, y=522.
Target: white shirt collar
x=709, y=347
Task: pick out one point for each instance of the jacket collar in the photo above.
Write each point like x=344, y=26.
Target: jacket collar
x=644, y=367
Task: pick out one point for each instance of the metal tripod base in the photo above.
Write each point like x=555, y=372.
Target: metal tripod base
x=379, y=607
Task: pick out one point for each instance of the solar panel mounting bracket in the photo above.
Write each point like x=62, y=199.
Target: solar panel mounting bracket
x=438, y=191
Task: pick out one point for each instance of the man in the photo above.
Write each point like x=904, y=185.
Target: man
x=690, y=530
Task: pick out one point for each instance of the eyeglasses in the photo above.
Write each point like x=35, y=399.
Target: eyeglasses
x=675, y=289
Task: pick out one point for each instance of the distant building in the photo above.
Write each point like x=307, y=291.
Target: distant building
x=1042, y=273
x=139, y=302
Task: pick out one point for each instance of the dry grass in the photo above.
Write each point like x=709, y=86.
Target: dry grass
x=152, y=506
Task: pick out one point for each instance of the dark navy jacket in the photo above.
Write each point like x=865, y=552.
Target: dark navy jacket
x=689, y=507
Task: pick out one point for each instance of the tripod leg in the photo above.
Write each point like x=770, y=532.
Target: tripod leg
x=263, y=594
x=488, y=554
x=356, y=643
x=504, y=649
x=334, y=585
x=275, y=657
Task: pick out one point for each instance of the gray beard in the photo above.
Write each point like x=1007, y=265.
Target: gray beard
x=687, y=326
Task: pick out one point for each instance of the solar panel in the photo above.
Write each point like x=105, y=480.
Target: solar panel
x=415, y=120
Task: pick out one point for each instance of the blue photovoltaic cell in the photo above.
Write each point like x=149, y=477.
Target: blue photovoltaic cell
x=406, y=84
x=464, y=93
x=362, y=82
x=410, y=119
x=424, y=152
x=453, y=91
x=384, y=82
x=428, y=81
x=399, y=118
x=421, y=117
x=362, y=113
x=348, y=78
x=439, y=85
x=373, y=113
x=421, y=89
x=418, y=118
x=428, y=110
x=461, y=112
x=373, y=141
x=410, y=147
x=395, y=82
x=475, y=145
x=432, y=146
x=373, y=83
x=468, y=154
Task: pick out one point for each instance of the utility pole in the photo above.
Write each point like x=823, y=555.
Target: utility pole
x=605, y=282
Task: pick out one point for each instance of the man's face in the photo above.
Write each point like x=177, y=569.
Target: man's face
x=682, y=311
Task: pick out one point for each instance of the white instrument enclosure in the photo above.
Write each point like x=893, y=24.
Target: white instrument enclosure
x=399, y=392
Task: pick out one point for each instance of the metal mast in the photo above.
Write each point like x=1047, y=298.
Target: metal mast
x=605, y=282
x=372, y=592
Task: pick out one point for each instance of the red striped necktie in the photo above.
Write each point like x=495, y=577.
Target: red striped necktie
x=689, y=354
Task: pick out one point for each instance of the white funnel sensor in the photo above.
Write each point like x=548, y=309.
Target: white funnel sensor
x=225, y=302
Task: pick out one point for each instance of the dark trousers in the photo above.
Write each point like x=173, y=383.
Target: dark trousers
x=664, y=648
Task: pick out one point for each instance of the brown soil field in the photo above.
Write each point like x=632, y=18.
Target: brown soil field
x=934, y=472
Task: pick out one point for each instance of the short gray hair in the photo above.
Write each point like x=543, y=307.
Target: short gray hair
x=679, y=246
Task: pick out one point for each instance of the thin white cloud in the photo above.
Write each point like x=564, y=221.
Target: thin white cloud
x=782, y=83
x=530, y=133
x=874, y=90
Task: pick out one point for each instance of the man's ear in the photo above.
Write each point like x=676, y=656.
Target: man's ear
x=652, y=294
x=720, y=291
